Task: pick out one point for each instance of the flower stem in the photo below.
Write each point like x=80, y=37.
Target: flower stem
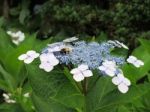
x=85, y=86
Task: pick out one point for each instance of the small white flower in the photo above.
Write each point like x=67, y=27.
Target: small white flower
x=122, y=83
x=29, y=56
x=81, y=72
x=27, y=95
x=7, y=98
x=48, y=61
x=72, y=39
x=133, y=60
x=109, y=67
x=17, y=37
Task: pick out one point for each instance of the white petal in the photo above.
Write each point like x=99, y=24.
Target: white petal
x=31, y=52
x=83, y=67
x=28, y=60
x=78, y=77
x=26, y=95
x=46, y=66
x=16, y=42
x=43, y=57
x=121, y=76
x=36, y=55
x=21, y=38
x=75, y=71
x=54, y=49
x=121, y=44
x=6, y=96
x=131, y=59
x=14, y=35
x=116, y=80
x=110, y=72
x=139, y=62
x=107, y=63
x=123, y=88
x=124, y=46
x=70, y=39
x=102, y=68
x=54, y=62
x=87, y=73
x=9, y=32
x=136, y=64
x=22, y=57
x=111, y=42
x=127, y=81
x=10, y=101
x=47, y=57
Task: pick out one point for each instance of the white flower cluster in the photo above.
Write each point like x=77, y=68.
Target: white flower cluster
x=49, y=59
x=110, y=68
x=17, y=37
x=7, y=98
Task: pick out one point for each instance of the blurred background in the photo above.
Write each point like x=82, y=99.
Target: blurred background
x=124, y=20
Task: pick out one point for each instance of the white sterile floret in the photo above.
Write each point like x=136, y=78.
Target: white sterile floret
x=122, y=83
x=109, y=67
x=7, y=98
x=17, y=37
x=48, y=61
x=72, y=39
x=28, y=57
x=81, y=72
x=118, y=44
x=121, y=44
x=133, y=60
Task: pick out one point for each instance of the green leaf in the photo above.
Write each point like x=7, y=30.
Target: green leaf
x=103, y=97
x=11, y=62
x=10, y=108
x=49, y=105
x=54, y=86
x=134, y=73
x=95, y=96
x=146, y=44
x=5, y=45
x=8, y=79
x=25, y=12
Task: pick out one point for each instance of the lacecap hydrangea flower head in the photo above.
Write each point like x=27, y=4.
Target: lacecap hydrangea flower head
x=86, y=57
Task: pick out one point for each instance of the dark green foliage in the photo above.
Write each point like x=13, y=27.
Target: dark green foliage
x=119, y=19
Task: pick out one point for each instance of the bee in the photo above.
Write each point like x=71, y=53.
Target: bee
x=66, y=50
